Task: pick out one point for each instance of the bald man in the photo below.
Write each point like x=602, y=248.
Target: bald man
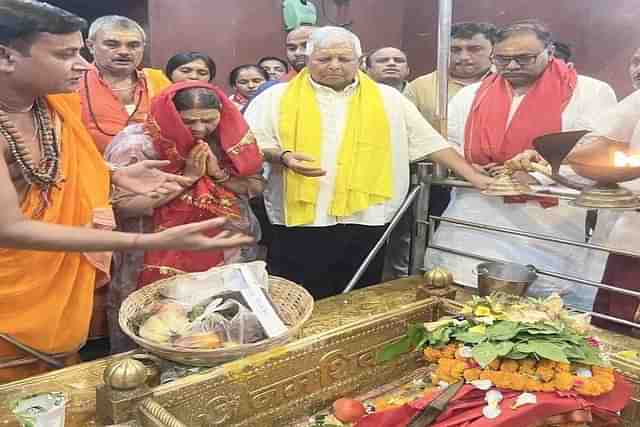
x=296, y=49
x=388, y=66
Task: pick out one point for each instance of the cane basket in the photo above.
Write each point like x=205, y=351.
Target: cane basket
x=292, y=302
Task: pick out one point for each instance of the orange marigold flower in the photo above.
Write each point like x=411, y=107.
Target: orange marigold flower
x=502, y=379
x=495, y=365
x=544, y=373
x=532, y=385
x=432, y=354
x=508, y=365
x=564, y=381
x=546, y=363
x=457, y=368
x=472, y=374
x=548, y=387
x=588, y=387
x=605, y=382
x=601, y=370
x=528, y=366
x=490, y=375
x=562, y=367
x=518, y=382
x=449, y=351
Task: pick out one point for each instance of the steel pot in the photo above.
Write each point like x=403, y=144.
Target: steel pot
x=505, y=277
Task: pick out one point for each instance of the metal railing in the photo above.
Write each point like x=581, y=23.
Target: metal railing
x=430, y=222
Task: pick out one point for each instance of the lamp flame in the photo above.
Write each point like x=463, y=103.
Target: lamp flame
x=622, y=160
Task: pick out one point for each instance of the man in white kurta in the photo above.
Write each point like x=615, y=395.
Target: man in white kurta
x=325, y=252
x=522, y=54
x=619, y=229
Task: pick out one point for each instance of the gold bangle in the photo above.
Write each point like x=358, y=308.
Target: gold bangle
x=224, y=178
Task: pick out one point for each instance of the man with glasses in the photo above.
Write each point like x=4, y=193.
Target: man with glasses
x=492, y=122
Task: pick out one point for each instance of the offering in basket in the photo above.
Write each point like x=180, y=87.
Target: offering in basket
x=215, y=316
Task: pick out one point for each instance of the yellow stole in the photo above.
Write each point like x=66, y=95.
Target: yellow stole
x=156, y=81
x=364, y=167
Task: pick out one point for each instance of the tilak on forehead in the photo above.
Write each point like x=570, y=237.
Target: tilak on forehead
x=337, y=48
x=121, y=33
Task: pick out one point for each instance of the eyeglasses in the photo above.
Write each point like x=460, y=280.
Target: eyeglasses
x=521, y=60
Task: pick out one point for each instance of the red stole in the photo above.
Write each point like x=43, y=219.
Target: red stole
x=487, y=137
x=173, y=141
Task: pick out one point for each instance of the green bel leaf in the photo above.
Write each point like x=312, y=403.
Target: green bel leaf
x=503, y=330
x=549, y=351
x=469, y=337
x=392, y=351
x=503, y=348
x=485, y=353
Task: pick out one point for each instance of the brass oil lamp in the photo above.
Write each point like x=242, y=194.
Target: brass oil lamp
x=604, y=163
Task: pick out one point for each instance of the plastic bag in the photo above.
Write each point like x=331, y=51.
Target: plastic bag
x=194, y=288
x=231, y=319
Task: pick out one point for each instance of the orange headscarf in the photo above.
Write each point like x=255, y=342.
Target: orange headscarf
x=173, y=141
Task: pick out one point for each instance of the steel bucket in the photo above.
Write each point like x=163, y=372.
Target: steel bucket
x=505, y=277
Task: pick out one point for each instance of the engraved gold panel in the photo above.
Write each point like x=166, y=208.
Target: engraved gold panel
x=335, y=358
x=275, y=389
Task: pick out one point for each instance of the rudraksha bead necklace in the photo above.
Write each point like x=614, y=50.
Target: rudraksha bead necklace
x=46, y=175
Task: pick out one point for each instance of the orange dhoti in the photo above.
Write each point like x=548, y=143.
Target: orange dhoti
x=46, y=298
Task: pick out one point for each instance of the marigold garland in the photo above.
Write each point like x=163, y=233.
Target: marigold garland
x=528, y=375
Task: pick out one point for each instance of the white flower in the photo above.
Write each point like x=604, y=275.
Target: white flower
x=493, y=397
x=491, y=412
x=465, y=352
x=482, y=384
x=487, y=320
x=525, y=399
x=443, y=384
x=584, y=372
x=419, y=382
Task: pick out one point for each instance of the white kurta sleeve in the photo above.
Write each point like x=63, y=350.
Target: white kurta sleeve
x=422, y=137
x=619, y=122
x=261, y=118
x=459, y=108
x=599, y=99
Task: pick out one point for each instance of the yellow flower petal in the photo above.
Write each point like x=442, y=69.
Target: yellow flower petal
x=479, y=329
x=482, y=310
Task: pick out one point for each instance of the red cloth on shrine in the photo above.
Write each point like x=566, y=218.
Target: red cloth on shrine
x=465, y=410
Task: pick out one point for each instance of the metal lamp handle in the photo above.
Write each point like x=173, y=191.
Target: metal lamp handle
x=479, y=271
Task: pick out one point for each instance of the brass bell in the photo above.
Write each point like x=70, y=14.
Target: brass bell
x=125, y=374
x=438, y=277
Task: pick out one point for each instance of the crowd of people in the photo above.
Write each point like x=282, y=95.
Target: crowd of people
x=304, y=164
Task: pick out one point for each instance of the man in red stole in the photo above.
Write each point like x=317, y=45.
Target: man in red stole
x=493, y=121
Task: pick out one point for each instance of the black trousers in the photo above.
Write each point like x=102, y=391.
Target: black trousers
x=324, y=259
